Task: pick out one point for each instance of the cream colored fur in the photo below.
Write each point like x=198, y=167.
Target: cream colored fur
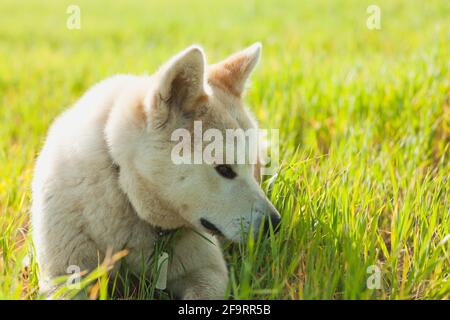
x=104, y=178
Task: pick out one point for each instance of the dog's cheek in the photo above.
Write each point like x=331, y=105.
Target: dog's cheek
x=257, y=172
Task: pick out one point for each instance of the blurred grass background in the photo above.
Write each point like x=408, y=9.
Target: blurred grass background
x=364, y=119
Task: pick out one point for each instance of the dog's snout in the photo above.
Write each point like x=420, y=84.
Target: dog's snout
x=270, y=218
x=272, y=221
x=210, y=227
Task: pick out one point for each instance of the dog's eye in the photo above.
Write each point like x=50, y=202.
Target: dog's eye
x=225, y=171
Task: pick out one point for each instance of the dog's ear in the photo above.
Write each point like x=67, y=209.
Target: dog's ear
x=181, y=79
x=233, y=72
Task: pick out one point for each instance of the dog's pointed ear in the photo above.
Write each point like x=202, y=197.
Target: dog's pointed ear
x=233, y=72
x=181, y=79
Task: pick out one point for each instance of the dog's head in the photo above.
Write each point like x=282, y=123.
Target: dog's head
x=218, y=197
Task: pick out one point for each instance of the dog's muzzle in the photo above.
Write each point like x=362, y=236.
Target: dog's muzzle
x=274, y=221
x=210, y=227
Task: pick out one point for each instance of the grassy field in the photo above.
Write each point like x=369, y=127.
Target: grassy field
x=364, y=120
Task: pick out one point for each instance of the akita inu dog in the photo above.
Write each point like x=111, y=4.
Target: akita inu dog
x=105, y=180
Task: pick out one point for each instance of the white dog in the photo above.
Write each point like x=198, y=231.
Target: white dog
x=105, y=179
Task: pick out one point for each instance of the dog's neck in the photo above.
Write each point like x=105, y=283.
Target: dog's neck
x=147, y=203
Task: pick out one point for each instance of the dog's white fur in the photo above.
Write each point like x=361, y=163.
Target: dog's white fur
x=104, y=178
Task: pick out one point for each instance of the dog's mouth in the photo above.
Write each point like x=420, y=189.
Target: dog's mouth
x=211, y=227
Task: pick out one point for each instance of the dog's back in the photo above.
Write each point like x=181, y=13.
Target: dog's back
x=77, y=203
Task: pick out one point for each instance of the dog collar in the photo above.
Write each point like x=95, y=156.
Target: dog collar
x=162, y=253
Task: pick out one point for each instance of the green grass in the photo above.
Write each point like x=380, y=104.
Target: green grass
x=364, y=119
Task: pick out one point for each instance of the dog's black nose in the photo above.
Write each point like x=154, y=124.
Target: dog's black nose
x=273, y=220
